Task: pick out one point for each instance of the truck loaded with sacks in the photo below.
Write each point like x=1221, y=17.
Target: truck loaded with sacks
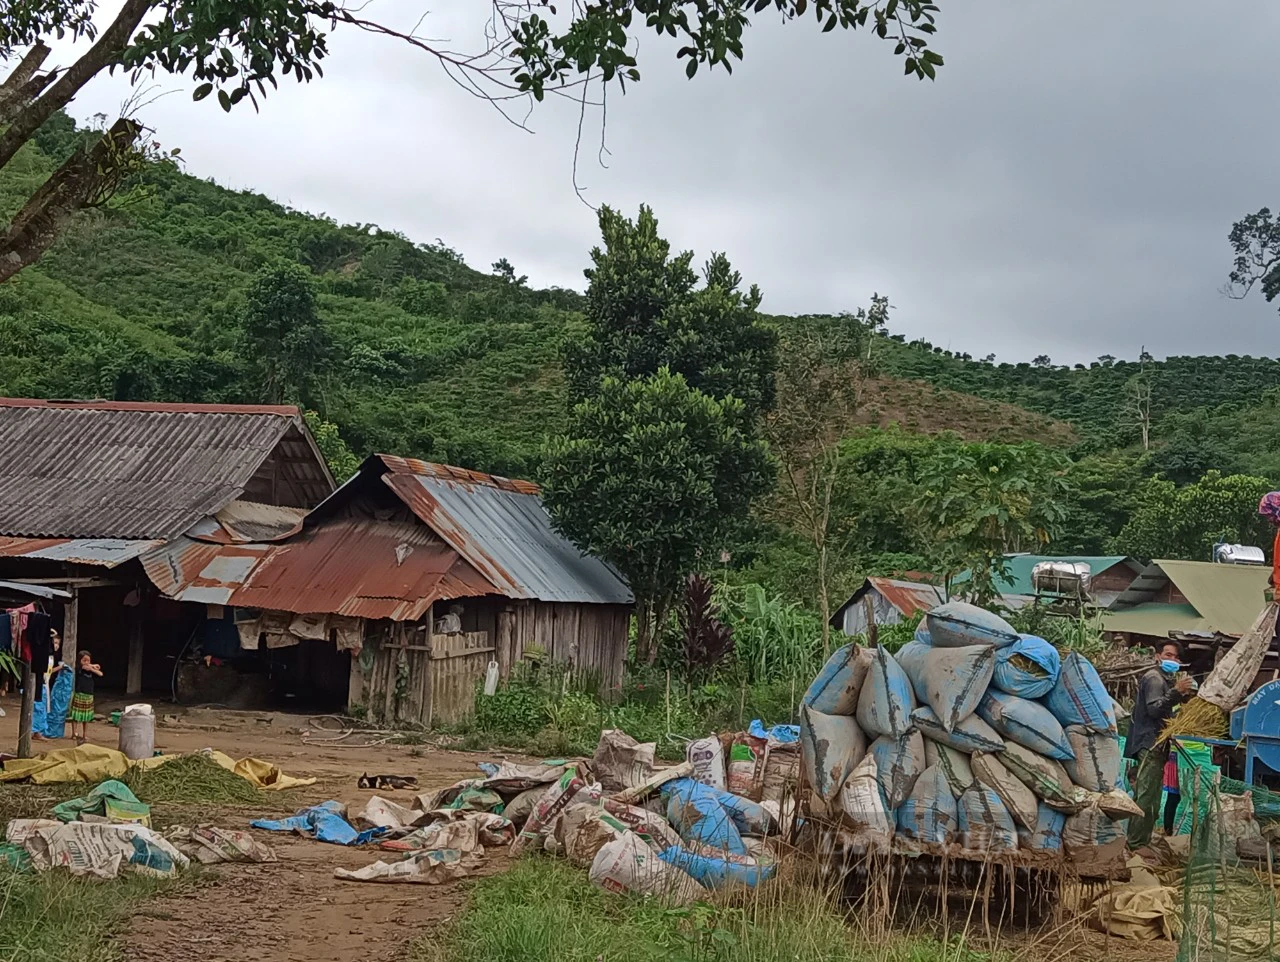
x=973, y=738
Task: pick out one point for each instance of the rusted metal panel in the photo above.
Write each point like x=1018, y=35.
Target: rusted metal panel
x=908, y=596
x=502, y=528
x=134, y=471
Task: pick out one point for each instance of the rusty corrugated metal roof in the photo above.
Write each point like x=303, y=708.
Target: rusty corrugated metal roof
x=908, y=596
x=501, y=527
x=106, y=552
x=359, y=567
x=132, y=471
x=243, y=522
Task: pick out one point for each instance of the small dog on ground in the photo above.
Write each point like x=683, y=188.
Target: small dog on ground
x=387, y=781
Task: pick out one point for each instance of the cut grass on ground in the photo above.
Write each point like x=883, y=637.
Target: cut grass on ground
x=547, y=911
x=54, y=917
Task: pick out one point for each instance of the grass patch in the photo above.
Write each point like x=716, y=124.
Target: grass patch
x=54, y=916
x=547, y=911
x=192, y=779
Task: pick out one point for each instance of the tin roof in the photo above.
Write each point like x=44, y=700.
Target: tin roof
x=1225, y=597
x=106, y=552
x=907, y=596
x=135, y=471
x=502, y=528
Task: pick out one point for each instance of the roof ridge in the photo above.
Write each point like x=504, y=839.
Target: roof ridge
x=155, y=407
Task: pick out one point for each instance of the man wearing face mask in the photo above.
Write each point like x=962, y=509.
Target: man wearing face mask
x=1158, y=693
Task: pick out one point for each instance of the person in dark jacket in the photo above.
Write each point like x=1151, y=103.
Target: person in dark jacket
x=1158, y=694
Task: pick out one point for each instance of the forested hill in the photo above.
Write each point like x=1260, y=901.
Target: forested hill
x=144, y=300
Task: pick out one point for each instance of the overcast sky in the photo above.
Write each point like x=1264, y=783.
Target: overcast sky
x=1066, y=186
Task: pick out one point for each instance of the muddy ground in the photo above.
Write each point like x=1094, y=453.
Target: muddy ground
x=294, y=910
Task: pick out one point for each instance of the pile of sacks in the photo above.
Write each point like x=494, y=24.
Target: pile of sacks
x=674, y=832
x=972, y=734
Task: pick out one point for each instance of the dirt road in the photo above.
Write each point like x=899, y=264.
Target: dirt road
x=293, y=909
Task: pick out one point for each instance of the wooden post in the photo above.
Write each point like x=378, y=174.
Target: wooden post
x=28, y=706
x=506, y=640
x=70, y=628
x=133, y=681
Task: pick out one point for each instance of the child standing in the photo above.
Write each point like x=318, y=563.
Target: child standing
x=82, y=701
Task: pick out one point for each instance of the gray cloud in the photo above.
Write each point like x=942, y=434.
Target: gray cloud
x=1066, y=185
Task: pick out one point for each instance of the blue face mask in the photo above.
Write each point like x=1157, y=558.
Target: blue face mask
x=1170, y=667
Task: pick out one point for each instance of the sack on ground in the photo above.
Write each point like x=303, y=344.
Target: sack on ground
x=836, y=688
x=519, y=808
x=650, y=826
x=929, y=813
x=582, y=830
x=745, y=769
x=953, y=764
x=1028, y=668
x=887, y=699
x=830, y=747
x=958, y=624
x=695, y=812
x=554, y=800
x=1080, y=697
x=899, y=762
x=627, y=864
x=781, y=769
x=1047, y=834
x=621, y=762
x=951, y=681
x=1017, y=797
x=1096, y=765
x=706, y=755
x=1026, y=722
x=715, y=870
x=985, y=824
x=863, y=804
x=970, y=735
x=1044, y=776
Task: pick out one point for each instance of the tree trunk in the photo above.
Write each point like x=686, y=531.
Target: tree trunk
x=22, y=86
x=824, y=599
x=70, y=188
x=104, y=53
x=644, y=628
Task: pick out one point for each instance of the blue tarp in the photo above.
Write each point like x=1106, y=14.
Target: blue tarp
x=324, y=823
x=782, y=734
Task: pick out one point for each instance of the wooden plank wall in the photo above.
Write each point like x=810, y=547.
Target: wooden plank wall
x=590, y=638
x=458, y=664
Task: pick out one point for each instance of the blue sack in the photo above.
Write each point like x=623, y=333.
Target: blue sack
x=39, y=714
x=1080, y=697
x=985, y=823
x=1026, y=722
x=835, y=689
x=1036, y=676
x=970, y=735
x=695, y=812
x=929, y=814
x=1047, y=836
x=899, y=762
x=958, y=624
x=887, y=698
x=55, y=723
x=714, y=873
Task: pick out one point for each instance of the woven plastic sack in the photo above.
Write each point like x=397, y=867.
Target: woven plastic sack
x=1029, y=668
x=1044, y=776
x=863, y=804
x=1091, y=826
x=628, y=864
x=953, y=764
x=951, y=681
x=929, y=813
x=969, y=736
x=695, y=812
x=958, y=624
x=836, y=688
x=1046, y=836
x=985, y=824
x=831, y=746
x=887, y=699
x=1080, y=697
x=1096, y=765
x=1017, y=797
x=1026, y=722
x=715, y=870
x=899, y=762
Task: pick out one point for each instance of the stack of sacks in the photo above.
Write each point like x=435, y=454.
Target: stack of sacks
x=972, y=734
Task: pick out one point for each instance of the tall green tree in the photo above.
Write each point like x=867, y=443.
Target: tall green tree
x=821, y=381
x=654, y=477
x=285, y=342
x=1185, y=523
x=232, y=50
x=981, y=501
x=645, y=312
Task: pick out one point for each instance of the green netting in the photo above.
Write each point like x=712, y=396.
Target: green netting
x=1229, y=905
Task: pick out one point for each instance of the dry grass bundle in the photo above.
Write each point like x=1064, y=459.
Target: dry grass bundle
x=1197, y=719
x=192, y=779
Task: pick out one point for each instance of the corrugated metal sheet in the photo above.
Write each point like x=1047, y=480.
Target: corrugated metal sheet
x=502, y=528
x=106, y=552
x=908, y=596
x=363, y=568
x=243, y=522
x=892, y=599
x=1156, y=619
x=131, y=471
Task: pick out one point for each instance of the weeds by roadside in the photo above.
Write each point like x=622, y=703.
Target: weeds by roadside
x=547, y=911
